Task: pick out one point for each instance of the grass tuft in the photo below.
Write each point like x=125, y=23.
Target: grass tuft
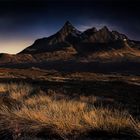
x=64, y=118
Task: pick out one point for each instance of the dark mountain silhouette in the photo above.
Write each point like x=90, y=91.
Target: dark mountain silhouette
x=58, y=41
x=72, y=48
x=89, y=41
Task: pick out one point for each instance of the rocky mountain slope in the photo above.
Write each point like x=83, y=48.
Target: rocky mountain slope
x=92, y=41
x=71, y=45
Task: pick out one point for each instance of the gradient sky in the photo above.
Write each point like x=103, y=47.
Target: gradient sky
x=23, y=21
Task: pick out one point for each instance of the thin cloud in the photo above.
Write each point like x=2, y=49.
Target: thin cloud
x=83, y=27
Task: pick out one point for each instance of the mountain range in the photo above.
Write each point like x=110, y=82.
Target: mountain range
x=70, y=44
x=89, y=41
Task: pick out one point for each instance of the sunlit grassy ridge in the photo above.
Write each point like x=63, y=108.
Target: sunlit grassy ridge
x=23, y=114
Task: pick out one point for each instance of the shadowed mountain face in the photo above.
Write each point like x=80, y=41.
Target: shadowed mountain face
x=59, y=41
x=73, y=48
x=89, y=40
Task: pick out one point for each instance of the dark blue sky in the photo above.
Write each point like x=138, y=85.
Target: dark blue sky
x=23, y=21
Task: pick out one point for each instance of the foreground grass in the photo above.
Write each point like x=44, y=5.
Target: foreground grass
x=23, y=114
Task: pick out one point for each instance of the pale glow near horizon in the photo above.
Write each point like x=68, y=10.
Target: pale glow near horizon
x=13, y=47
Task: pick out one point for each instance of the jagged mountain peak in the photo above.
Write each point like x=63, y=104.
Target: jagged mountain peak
x=104, y=29
x=119, y=36
x=68, y=28
x=90, y=31
x=68, y=36
x=68, y=23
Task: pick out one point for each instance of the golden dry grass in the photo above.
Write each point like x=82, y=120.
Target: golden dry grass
x=18, y=91
x=64, y=118
x=3, y=88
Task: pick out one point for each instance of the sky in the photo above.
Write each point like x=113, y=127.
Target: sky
x=24, y=21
